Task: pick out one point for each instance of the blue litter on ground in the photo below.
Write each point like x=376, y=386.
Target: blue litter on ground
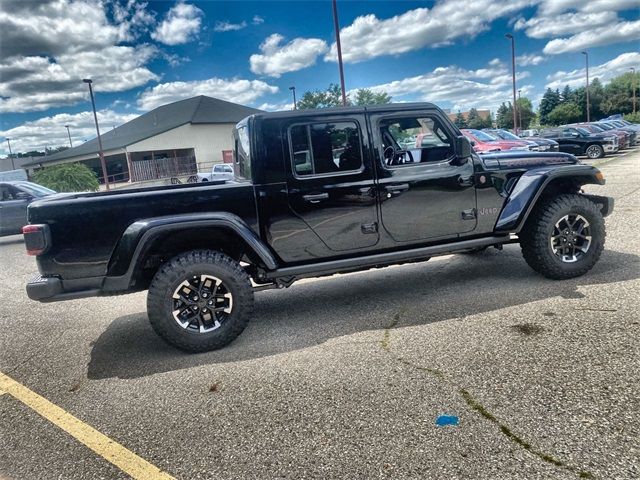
x=444, y=420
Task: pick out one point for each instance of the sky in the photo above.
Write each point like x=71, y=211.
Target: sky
x=143, y=54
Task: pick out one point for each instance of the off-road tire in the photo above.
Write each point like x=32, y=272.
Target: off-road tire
x=184, y=266
x=536, y=234
x=594, y=151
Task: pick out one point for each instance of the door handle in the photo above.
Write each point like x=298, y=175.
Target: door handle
x=397, y=188
x=315, y=197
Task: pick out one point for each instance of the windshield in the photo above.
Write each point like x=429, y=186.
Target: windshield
x=597, y=128
x=505, y=135
x=35, y=189
x=605, y=126
x=583, y=131
x=482, y=136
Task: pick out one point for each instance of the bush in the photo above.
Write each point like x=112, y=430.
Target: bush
x=633, y=117
x=68, y=177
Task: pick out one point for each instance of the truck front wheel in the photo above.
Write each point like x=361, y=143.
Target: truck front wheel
x=200, y=300
x=563, y=237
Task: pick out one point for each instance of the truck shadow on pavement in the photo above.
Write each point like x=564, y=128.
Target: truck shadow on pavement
x=311, y=313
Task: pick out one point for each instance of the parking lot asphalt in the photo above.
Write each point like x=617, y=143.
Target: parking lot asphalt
x=346, y=376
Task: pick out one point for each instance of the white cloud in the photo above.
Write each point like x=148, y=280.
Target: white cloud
x=181, y=25
x=51, y=132
x=278, y=58
x=38, y=83
x=554, y=7
x=564, y=24
x=234, y=90
x=603, y=72
x=596, y=37
x=486, y=87
x=369, y=37
x=257, y=20
x=49, y=47
x=275, y=107
x=229, y=27
x=528, y=59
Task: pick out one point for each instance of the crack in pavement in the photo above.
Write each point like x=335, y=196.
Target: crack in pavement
x=476, y=406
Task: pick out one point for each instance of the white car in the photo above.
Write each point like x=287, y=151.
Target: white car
x=220, y=171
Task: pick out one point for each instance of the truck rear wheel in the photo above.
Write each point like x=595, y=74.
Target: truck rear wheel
x=200, y=300
x=563, y=237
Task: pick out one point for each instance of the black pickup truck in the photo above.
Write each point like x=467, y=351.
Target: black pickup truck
x=315, y=193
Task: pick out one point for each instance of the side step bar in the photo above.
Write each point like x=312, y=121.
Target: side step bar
x=383, y=259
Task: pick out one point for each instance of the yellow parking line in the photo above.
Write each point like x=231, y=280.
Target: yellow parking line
x=124, y=459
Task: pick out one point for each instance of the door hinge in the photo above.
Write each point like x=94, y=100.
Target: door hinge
x=369, y=227
x=469, y=214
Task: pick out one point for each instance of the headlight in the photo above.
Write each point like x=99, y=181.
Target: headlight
x=610, y=139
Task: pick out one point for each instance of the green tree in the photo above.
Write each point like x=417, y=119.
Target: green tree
x=460, y=121
x=67, y=177
x=331, y=97
x=365, y=96
x=565, y=113
x=525, y=112
x=504, y=116
x=567, y=95
x=550, y=100
x=618, y=94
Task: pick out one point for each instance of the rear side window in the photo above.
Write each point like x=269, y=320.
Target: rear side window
x=325, y=148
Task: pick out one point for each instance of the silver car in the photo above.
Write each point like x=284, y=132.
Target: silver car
x=14, y=198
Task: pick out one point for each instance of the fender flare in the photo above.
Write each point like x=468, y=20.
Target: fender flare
x=140, y=235
x=530, y=186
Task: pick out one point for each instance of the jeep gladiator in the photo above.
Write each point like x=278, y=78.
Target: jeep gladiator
x=315, y=192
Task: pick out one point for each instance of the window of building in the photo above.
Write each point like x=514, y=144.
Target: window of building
x=325, y=148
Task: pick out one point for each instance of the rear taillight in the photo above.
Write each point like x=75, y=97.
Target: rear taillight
x=36, y=238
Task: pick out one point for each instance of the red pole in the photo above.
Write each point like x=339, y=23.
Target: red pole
x=336, y=25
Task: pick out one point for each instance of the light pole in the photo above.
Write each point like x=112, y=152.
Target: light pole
x=103, y=164
x=13, y=165
x=69, y=133
x=586, y=57
x=336, y=25
x=633, y=85
x=513, y=76
x=293, y=89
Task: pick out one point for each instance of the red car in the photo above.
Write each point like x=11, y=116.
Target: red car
x=483, y=142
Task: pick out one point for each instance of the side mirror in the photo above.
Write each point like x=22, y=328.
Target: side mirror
x=463, y=147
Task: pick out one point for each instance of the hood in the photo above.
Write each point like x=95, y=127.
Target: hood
x=526, y=160
x=507, y=144
x=542, y=141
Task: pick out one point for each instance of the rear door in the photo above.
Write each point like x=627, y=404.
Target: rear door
x=425, y=192
x=330, y=180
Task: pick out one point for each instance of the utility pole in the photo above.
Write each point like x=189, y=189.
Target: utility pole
x=336, y=25
x=100, y=152
x=633, y=85
x=513, y=75
x=69, y=133
x=13, y=165
x=586, y=56
x=293, y=89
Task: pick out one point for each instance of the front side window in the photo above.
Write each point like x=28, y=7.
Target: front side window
x=411, y=140
x=325, y=148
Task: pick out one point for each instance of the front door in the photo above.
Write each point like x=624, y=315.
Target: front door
x=426, y=192
x=330, y=181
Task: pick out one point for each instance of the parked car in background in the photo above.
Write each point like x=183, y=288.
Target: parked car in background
x=610, y=127
x=628, y=126
x=483, y=142
x=531, y=132
x=14, y=198
x=579, y=142
x=536, y=144
x=219, y=172
x=625, y=139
